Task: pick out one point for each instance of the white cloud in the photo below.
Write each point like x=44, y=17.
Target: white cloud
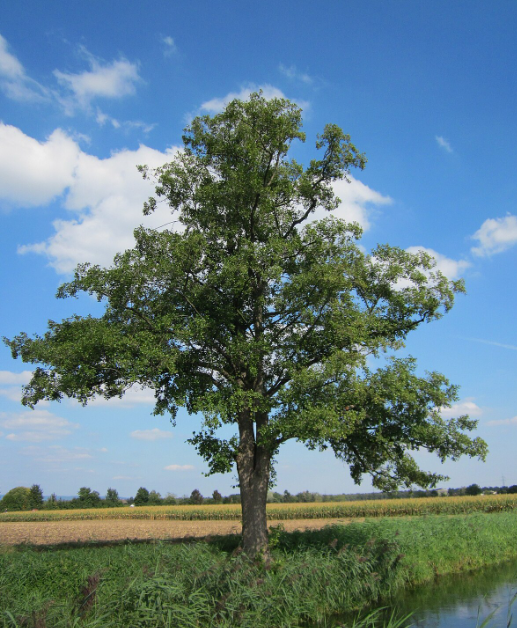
x=216, y=105
x=10, y=67
x=56, y=454
x=512, y=421
x=154, y=434
x=103, y=80
x=292, y=73
x=136, y=395
x=179, y=467
x=14, y=81
x=466, y=406
x=105, y=195
x=170, y=47
x=35, y=426
x=31, y=172
x=357, y=201
x=451, y=268
x=495, y=236
x=443, y=143
x=8, y=377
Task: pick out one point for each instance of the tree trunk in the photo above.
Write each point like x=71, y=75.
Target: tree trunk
x=253, y=466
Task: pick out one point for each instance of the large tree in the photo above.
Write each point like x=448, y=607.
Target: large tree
x=251, y=314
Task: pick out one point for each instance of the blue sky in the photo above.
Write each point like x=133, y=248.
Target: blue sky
x=90, y=90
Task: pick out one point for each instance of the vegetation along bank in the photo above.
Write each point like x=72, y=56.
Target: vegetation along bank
x=311, y=575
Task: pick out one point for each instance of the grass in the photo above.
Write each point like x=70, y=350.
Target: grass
x=345, y=510
x=312, y=575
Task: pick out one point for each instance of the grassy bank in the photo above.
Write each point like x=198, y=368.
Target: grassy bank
x=312, y=575
x=346, y=510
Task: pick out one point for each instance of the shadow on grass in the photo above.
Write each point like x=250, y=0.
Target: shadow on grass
x=335, y=536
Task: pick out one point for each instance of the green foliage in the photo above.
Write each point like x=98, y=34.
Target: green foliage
x=112, y=497
x=35, y=496
x=473, y=489
x=88, y=498
x=141, y=497
x=217, y=497
x=196, y=497
x=311, y=575
x=169, y=499
x=254, y=316
x=155, y=498
x=18, y=498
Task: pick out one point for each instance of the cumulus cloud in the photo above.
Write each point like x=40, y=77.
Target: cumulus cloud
x=443, y=143
x=292, y=73
x=495, y=236
x=466, y=406
x=35, y=426
x=216, y=105
x=357, y=202
x=31, y=172
x=135, y=396
x=8, y=377
x=102, y=80
x=104, y=196
x=512, y=421
x=179, y=467
x=154, y=434
x=451, y=268
x=14, y=80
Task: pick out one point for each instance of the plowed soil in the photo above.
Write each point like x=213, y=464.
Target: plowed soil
x=62, y=532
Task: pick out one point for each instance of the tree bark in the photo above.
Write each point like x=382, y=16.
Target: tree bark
x=253, y=466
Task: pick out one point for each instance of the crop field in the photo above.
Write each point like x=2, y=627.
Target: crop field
x=106, y=531
x=283, y=512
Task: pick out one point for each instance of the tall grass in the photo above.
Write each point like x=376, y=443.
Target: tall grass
x=340, y=510
x=312, y=575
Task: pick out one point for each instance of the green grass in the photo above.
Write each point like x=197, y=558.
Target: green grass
x=312, y=575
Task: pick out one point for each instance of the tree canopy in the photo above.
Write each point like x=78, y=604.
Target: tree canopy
x=251, y=313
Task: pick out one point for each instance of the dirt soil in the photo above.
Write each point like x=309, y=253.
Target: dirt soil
x=60, y=532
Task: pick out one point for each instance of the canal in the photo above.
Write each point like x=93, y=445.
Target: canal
x=460, y=601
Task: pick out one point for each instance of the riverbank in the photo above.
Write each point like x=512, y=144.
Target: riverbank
x=312, y=575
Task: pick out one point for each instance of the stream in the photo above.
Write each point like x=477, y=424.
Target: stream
x=461, y=600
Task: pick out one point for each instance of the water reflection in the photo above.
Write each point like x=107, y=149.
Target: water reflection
x=460, y=601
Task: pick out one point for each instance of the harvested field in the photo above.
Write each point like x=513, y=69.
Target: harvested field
x=60, y=532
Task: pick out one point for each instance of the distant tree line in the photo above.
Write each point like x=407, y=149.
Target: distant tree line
x=23, y=498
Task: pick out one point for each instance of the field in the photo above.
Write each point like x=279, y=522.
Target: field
x=102, y=530
x=312, y=575
x=284, y=512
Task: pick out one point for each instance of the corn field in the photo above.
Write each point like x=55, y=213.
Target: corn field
x=345, y=510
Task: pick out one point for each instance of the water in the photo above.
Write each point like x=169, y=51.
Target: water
x=463, y=600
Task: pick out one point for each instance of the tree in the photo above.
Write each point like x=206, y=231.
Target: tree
x=88, y=498
x=217, y=497
x=112, y=496
x=196, y=497
x=35, y=496
x=255, y=316
x=473, y=489
x=170, y=499
x=155, y=498
x=141, y=497
x=16, y=499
